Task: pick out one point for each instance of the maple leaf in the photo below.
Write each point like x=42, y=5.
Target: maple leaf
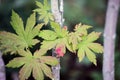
x=48, y=35
x=60, y=32
x=35, y=64
x=76, y=36
x=88, y=47
x=23, y=38
x=44, y=11
x=82, y=29
x=11, y=42
x=53, y=38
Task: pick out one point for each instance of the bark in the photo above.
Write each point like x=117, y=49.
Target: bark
x=2, y=65
x=109, y=39
x=14, y=76
x=58, y=15
x=2, y=68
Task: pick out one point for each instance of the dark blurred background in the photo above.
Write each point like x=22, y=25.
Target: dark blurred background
x=90, y=12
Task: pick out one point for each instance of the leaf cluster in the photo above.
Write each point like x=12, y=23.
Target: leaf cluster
x=79, y=41
x=44, y=11
x=23, y=40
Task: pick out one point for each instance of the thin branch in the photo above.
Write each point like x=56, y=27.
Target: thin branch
x=2, y=68
x=58, y=15
x=109, y=39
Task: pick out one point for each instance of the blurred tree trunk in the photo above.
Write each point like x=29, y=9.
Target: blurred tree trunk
x=57, y=10
x=2, y=68
x=2, y=65
x=14, y=76
x=109, y=39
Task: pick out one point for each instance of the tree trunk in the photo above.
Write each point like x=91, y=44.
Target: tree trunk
x=109, y=39
x=2, y=65
x=58, y=15
x=2, y=68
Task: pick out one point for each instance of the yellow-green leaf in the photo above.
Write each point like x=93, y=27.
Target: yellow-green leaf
x=93, y=36
x=36, y=29
x=30, y=23
x=90, y=55
x=81, y=54
x=96, y=47
x=49, y=60
x=37, y=71
x=40, y=53
x=47, y=71
x=24, y=38
x=24, y=53
x=39, y=4
x=48, y=44
x=17, y=24
x=16, y=62
x=11, y=42
x=73, y=40
x=25, y=71
x=56, y=27
x=82, y=29
x=44, y=11
x=48, y=35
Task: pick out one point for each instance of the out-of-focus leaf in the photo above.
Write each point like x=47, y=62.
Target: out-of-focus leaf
x=48, y=35
x=44, y=11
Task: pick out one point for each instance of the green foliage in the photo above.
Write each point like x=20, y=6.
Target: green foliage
x=44, y=11
x=88, y=47
x=53, y=38
x=23, y=38
x=84, y=42
x=33, y=63
x=79, y=41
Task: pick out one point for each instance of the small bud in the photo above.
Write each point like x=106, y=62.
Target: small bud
x=65, y=27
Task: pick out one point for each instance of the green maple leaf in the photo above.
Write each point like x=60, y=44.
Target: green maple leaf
x=76, y=36
x=53, y=38
x=82, y=29
x=48, y=35
x=44, y=11
x=35, y=64
x=23, y=38
x=88, y=47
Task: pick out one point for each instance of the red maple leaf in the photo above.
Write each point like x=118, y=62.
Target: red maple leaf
x=59, y=51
